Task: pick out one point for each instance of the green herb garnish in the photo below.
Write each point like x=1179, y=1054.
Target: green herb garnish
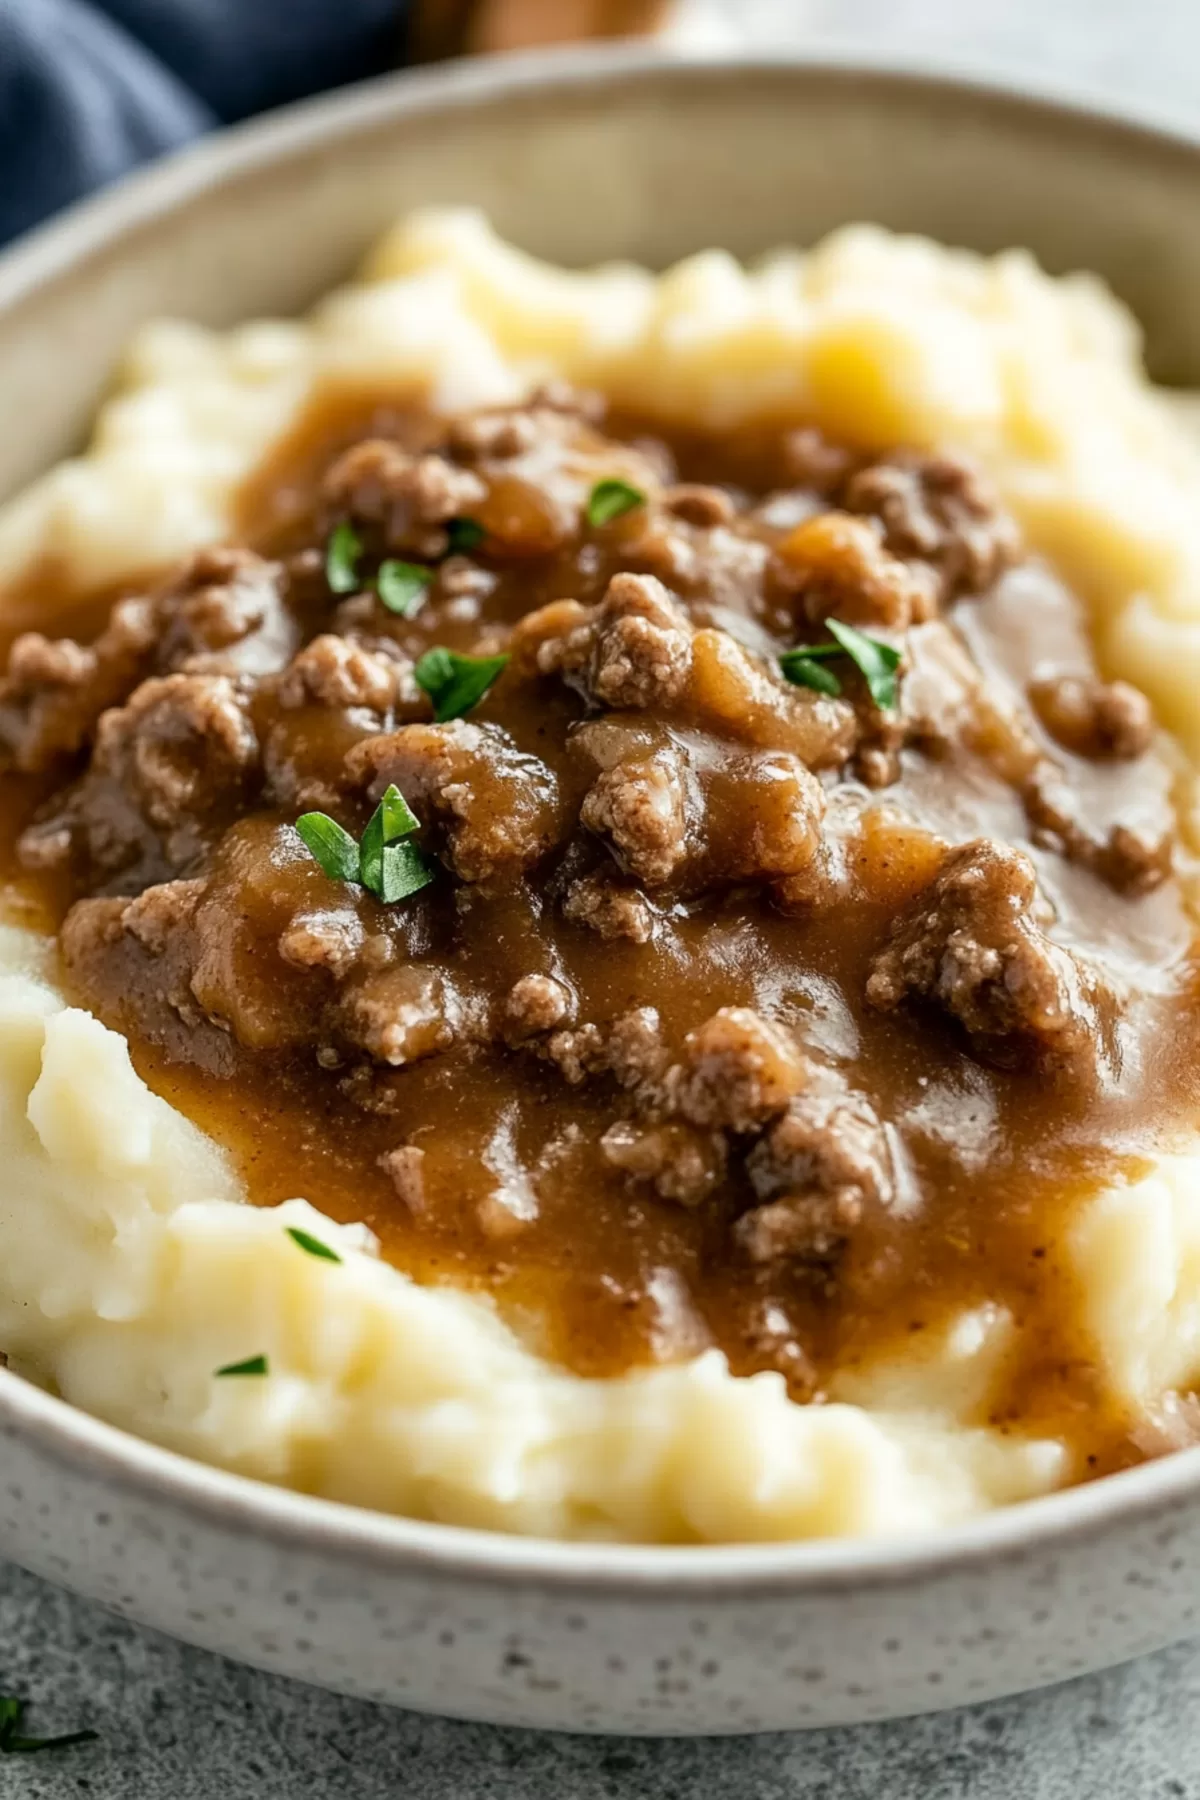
x=13, y=1742
x=313, y=1245
x=333, y=847
x=401, y=586
x=390, y=868
x=610, y=499
x=403, y=871
x=801, y=668
x=876, y=661
x=384, y=863
x=456, y=683
x=465, y=535
x=341, y=558
x=253, y=1365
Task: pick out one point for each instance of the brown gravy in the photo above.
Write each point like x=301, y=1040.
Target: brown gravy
x=988, y=1140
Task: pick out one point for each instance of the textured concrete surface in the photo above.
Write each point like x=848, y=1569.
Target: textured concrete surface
x=179, y=1725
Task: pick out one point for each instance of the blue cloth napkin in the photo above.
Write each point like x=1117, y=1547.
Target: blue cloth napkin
x=89, y=88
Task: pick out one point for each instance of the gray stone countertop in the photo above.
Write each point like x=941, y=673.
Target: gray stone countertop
x=177, y=1724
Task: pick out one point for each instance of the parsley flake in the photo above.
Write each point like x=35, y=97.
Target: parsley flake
x=341, y=558
x=403, y=871
x=253, y=1365
x=312, y=1245
x=13, y=1742
x=465, y=535
x=401, y=586
x=877, y=662
x=455, y=683
x=390, y=868
x=333, y=847
x=611, y=499
x=803, y=670
x=384, y=863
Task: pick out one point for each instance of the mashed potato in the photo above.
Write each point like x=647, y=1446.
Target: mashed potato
x=130, y=1269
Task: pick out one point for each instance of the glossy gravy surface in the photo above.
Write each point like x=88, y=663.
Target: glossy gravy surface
x=990, y=1146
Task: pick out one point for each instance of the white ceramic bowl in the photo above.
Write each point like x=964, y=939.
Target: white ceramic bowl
x=581, y=157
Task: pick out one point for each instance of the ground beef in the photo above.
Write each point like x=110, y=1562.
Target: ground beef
x=637, y=1052
x=1133, y=855
x=940, y=510
x=400, y=1015
x=679, y=1162
x=337, y=672
x=535, y=1004
x=150, y=940
x=168, y=772
x=495, y=436
x=942, y=700
x=329, y=939
x=835, y=565
x=220, y=614
x=408, y=499
x=631, y=651
x=811, y=461
x=55, y=689
x=406, y=1167
x=699, y=505
x=737, y=1071
x=814, y=1172
x=943, y=710
x=547, y=425
x=223, y=614
x=640, y=808
x=973, y=944
x=496, y=810
x=577, y=1054
x=333, y=693
x=1101, y=719
x=807, y=1227
x=610, y=909
x=773, y=1341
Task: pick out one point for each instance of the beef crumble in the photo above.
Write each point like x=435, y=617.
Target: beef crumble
x=825, y=994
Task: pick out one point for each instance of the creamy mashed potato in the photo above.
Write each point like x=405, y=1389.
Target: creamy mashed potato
x=130, y=1269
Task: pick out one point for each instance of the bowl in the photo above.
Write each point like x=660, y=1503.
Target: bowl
x=581, y=156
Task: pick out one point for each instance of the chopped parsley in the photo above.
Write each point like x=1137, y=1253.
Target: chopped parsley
x=385, y=863
x=401, y=586
x=611, y=499
x=312, y=1245
x=13, y=1741
x=341, y=558
x=802, y=668
x=253, y=1365
x=455, y=683
x=389, y=867
x=465, y=535
x=332, y=846
x=876, y=661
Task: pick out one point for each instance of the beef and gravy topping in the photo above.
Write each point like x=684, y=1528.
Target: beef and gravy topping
x=700, y=889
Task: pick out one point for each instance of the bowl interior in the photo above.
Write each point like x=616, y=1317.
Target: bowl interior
x=586, y=156
x=579, y=158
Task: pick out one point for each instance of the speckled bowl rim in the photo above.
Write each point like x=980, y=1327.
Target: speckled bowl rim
x=75, y=1439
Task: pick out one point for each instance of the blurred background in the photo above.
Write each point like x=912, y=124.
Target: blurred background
x=91, y=88
x=1145, y=51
